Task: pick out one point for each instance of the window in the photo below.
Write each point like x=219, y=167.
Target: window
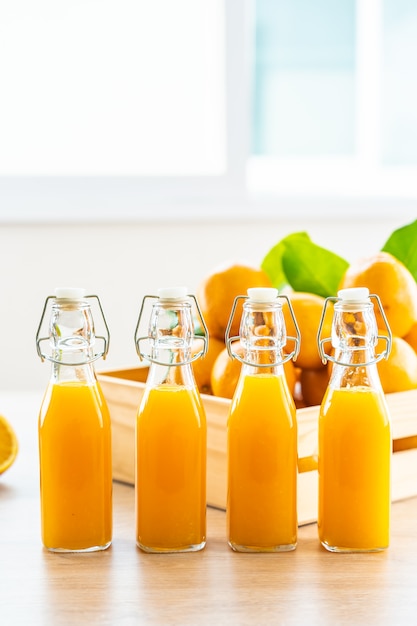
x=104, y=88
x=146, y=110
x=304, y=78
x=335, y=109
x=109, y=105
x=399, y=83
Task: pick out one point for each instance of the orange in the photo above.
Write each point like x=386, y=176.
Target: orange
x=226, y=371
x=411, y=337
x=313, y=385
x=202, y=367
x=387, y=277
x=216, y=294
x=8, y=445
x=307, y=309
x=399, y=371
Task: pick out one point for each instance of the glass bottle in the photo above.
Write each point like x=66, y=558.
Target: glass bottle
x=262, y=431
x=354, y=452
x=74, y=431
x=170, y=432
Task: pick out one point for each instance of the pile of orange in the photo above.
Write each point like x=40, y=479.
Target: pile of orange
x=387, y=277
x=218, y=373
x=308, y=378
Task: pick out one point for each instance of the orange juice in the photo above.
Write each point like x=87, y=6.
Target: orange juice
x=354, y=470
x=171, y=470
x=262, y=465
x=75, y=468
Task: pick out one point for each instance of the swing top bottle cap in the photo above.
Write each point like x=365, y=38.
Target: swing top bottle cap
x=262, y=294
x=70, y=293
x=172, y=293
x=354, y=294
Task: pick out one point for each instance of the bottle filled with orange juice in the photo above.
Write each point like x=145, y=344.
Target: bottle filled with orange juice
x=262, y=431
x=354, y=450
x=170, y=480
x=74, y=430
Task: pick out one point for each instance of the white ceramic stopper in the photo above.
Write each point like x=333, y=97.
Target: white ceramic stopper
x=70, y=293
x=172, y=293
x=354, y=294
x=262, y=294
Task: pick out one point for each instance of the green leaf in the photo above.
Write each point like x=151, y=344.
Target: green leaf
x=304, y=265
x=402, y=244
x=272, y=264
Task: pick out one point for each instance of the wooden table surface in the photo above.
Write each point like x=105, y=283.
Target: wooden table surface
x=215, y=586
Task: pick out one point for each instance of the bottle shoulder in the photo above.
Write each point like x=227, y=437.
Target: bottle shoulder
x=262, y=393
x=355, y=404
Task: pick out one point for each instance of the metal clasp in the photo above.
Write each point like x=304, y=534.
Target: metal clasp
x=104, y=339
x=378, y=357
x=147, y=357
x=231, y=340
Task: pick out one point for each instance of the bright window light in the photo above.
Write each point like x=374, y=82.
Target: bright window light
x=304, y=81
x=112, y=88
x=335, y=99
x=139, y=109
x=399, y=83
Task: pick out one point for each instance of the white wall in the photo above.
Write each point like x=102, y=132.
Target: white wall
x=123, y=262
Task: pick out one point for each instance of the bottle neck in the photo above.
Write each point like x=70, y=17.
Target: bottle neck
x=171, y=333
x=354, y=337
x=80, y=374
x=72, y=342
x=177, y=375
x=263, y=336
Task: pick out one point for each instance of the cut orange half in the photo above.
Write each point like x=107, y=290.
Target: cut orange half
x=8, y=445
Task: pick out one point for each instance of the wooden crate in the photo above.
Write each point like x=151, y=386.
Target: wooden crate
x=123, y=391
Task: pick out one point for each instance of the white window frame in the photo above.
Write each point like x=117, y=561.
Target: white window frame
x=115, y=198
x=251, y=187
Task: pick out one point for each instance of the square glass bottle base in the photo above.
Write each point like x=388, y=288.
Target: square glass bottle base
x=340, y=549
x=167, y=550
x=280, y=548
x=78, y=550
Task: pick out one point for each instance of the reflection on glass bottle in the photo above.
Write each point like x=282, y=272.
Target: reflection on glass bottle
x=354, y=432
x=74, y=432
x=262, y=433
x=170, y=433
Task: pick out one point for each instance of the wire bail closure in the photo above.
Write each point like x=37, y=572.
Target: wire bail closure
x=378, y=357
x=231, y=340
x=106, y=340
x=147, y=357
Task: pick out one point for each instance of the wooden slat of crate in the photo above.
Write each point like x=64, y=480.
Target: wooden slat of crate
x=123, y=390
